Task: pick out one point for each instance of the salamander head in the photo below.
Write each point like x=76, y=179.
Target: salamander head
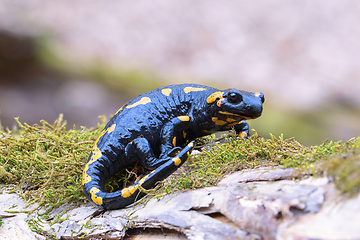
x=240, y=104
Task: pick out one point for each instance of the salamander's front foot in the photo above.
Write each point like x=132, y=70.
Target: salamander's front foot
x=242, y=130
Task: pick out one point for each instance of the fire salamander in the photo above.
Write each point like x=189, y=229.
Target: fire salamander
x=153, y=127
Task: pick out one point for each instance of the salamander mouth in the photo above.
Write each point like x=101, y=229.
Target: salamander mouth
x=241, y=115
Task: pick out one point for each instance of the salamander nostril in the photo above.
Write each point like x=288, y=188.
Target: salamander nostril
x=262, y=97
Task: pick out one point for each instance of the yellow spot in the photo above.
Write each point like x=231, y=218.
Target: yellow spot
x=85, y=177
x=257, y=94
x=220, y=102
x=212, y=98
x=242, y=134
x=184, y=118
x=127, y=192
x=111, y=129
x=232, y=124
x=174, y=141
x=98, y=138
x=177, y=161
x=193, y=89
x=143, y=179
x=95, y=155
x=166, y=91
x=119, y=110
x=191, y=144
x=96, y=199
x=184, y=134
x=218, y=121
x=229, y=113
x=143, y=100
x=229, y=120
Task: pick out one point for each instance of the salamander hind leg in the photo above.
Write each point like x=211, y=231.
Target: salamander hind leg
x=166, y=169
x=129, y=195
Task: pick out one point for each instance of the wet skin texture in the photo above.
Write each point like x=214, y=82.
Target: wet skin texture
x=153, y=127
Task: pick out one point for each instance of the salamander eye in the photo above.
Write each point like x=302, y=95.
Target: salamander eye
x=234, y=97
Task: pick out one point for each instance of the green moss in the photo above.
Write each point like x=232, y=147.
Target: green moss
x=125, y=178
x=345, y=172
x=44, y=163
x=47, y=161
x=233, y=154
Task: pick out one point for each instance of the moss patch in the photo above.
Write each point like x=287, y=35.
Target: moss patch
x=345, y=172
x=233, y=154
x=44, y=163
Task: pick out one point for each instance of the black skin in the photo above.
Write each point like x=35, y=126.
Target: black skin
x=153, y=127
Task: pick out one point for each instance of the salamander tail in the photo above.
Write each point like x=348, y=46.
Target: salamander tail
x=129, y=195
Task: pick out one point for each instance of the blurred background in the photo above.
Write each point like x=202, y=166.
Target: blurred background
x=86, y=58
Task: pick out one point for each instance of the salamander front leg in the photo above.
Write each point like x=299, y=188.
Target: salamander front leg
x=242, y=129
x=169, y=133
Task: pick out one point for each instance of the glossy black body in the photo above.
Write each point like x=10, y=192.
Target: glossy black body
x=152, y=127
